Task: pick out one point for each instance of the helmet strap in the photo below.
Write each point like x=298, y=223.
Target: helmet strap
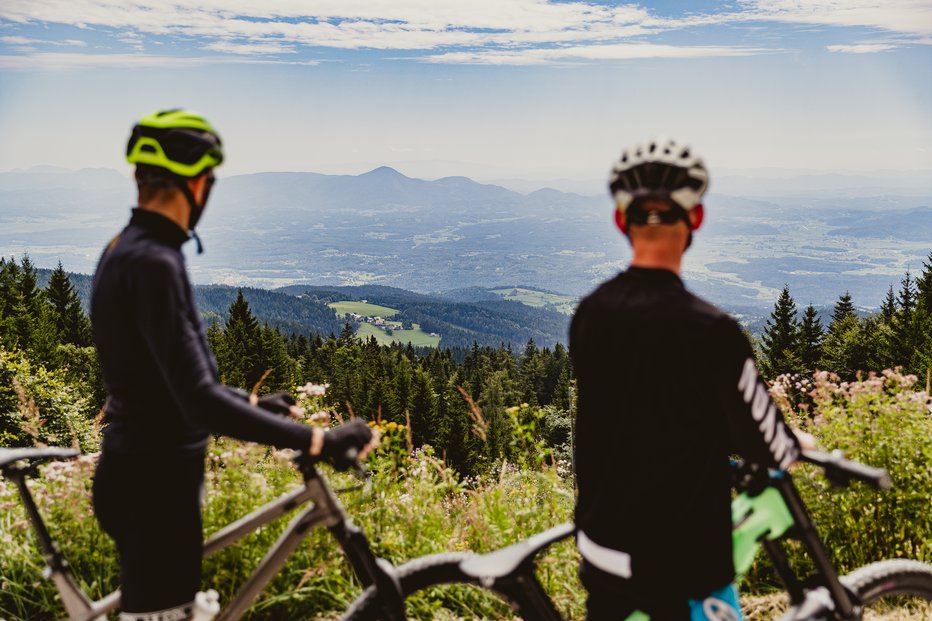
x=196, y=209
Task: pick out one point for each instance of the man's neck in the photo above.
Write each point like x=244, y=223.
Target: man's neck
x=654, y=257
x=175, y=210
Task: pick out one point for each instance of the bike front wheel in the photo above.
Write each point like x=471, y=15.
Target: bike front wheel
x=523, y=593
x=900, y=583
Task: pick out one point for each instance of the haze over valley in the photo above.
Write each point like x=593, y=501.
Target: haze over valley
x=382, y=227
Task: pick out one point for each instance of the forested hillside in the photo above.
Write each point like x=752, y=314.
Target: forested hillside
x=487, y=321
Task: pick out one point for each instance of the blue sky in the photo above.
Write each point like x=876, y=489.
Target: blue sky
x=487, y=88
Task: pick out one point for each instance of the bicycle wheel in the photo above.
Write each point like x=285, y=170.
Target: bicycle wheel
x=899, y=583
x=524, y=594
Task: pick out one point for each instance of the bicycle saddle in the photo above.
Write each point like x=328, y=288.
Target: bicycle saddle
x=501, y=563
x=9, y=456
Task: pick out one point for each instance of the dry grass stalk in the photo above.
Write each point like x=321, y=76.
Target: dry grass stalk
x=32, y=420
x=255, y=389
x=479, y=425
x=408, y=440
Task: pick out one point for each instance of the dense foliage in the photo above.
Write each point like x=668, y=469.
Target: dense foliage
x=397, y=383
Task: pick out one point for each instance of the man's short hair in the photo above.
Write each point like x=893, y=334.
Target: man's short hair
x=154, y=181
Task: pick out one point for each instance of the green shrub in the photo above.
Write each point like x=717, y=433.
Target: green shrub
x=881, y=420
x=40, y=406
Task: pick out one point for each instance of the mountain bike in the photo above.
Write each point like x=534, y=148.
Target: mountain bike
x=325, y=510
x=767, y=510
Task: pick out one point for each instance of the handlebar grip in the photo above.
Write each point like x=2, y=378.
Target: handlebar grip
x=841, y=470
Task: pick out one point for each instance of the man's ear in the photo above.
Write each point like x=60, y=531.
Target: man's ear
x=696, y=217
x=620, y=221
x=197, y=185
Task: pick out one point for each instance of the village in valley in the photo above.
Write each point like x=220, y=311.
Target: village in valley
x=375, y=320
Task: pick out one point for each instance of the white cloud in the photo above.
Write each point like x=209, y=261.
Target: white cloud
x=259, y=47
x=861, y=48
x=52, y=61
x=482, y=31
x=619, y=51
x=907, y=17
x=16, y=40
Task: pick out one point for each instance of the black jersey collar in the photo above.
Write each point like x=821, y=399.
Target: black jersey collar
x=654, y=275
x=159, y=226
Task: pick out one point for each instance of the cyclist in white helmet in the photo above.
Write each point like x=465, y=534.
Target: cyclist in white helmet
x=661, y=371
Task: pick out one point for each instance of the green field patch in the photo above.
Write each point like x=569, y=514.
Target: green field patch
x=562, y=303
x=417, y=337
x=362, y=308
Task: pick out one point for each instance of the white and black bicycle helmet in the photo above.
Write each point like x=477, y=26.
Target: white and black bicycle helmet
x=661, y=170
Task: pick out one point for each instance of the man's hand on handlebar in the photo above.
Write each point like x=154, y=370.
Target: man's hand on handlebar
x=282, y=403
x=346, y=443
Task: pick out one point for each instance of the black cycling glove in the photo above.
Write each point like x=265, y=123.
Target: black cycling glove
x=341, y=444
x=277, y=403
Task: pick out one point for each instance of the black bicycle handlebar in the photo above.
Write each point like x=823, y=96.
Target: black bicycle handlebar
x=842, y=471
x=349, y=460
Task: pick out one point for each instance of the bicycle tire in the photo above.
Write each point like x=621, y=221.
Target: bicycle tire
x=438, y=569
x=890, y=579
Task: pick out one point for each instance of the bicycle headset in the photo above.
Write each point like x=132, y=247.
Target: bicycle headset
x=659, y=170
x=183, y=145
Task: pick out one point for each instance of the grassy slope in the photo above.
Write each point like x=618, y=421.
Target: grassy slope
x=563, y=303
x=416, y=337
x=362, y=308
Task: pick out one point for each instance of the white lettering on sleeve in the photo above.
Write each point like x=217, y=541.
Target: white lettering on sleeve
x=765, y=413
x=748, y=379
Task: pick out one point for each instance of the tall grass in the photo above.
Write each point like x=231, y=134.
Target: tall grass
x=418, y=506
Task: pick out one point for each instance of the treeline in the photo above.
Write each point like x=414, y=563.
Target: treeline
x=899, y=335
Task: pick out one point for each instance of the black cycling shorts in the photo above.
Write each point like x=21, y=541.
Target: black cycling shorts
x=150, y=506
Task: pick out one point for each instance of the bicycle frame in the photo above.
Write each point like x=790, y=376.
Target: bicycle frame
x=767, y=510
x=326, y=510
x=806, y=604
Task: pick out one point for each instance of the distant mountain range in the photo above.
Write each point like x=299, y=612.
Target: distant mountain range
x=383, y=228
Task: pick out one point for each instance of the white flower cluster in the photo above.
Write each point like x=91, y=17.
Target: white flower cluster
x=313, y=390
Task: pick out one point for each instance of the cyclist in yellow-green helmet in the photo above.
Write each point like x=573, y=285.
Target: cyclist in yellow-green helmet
x=165, y=398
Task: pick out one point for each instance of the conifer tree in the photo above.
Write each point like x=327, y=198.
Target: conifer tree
x=69, y=318
x=811, y=334
x=907, y=327
x=274, y=359
x=10, y=303
x=924, y=286
x=780, y=340
x=242, y=341
x=844, y=308
x=906, y=300
x=888, y=307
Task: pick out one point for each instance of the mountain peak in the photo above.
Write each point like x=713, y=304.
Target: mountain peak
x=383, y=171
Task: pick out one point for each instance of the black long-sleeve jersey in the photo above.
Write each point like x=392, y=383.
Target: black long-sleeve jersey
x=164, y=393
x=668, y=390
